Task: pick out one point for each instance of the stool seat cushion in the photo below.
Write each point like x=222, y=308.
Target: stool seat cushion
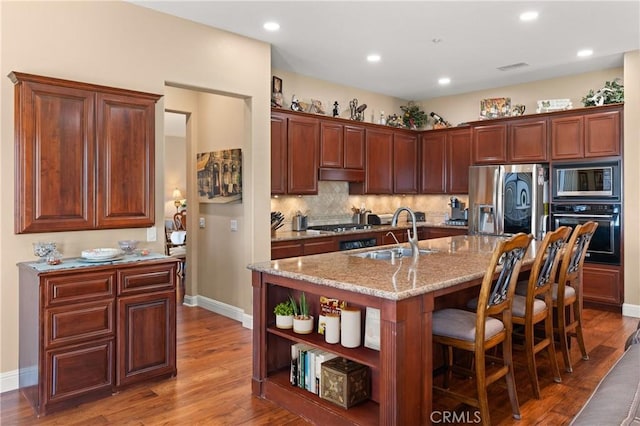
x=519, y=304
x=459, y=324
x=568, y=291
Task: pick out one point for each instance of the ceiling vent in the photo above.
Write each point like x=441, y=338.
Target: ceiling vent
x=513, y=66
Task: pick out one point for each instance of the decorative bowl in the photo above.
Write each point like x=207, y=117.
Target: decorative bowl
x=128, y=246
x=100, y=253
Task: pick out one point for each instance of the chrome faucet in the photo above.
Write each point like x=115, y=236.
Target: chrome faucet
x=413, y=239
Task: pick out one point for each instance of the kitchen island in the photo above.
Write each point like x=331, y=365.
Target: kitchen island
x=404, y=291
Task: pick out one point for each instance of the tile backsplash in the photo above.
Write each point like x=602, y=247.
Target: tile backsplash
x=333, y=204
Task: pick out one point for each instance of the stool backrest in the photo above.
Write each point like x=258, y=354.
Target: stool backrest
x=573, y=258
x=543, y=272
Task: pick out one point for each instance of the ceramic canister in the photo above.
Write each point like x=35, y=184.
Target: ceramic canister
x=350, y=329
x=332, y=328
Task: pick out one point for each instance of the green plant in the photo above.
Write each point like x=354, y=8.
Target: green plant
x=300, y=308
x=611, y=93
x=413, y=117
x=283, y=308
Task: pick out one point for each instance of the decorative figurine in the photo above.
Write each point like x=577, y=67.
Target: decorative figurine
x=336, y=109
x=360, y=112
x=295, y=104
x=353, y=104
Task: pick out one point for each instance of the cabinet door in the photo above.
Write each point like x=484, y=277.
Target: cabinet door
x=331, y=145
x=379, y=162
x=319, y=245
x=433, y=163
x=528, y=141
x=353, y=147
x=126, y=173
x=146, y=337
x=489, y=144
x=602, y=134
x=405, y=163
x=458, y=161
x=278, y=154
x=71, y=371
x=303, y=145
x=283, y=249
x=446, y=232
x=55, y=155
x=567, y=138
x=400, y=234
x=602, y=284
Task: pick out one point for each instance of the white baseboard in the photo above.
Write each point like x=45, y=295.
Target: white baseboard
x=9, y=381
x=629, y=310
x=221, y=308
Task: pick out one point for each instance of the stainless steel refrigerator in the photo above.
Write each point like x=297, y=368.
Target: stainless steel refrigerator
x=507, y=199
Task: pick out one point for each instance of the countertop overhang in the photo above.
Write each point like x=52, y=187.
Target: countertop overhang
x=455, y=260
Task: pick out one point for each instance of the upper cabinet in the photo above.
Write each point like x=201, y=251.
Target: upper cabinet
x=405, y=163
x=595, y=133
x=445, y=160
x=521, y=141
x=84, y=156
x=295, y=142
x=341, y=151
x=378, y=163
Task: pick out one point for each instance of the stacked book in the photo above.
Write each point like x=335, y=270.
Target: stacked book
x=306, y=363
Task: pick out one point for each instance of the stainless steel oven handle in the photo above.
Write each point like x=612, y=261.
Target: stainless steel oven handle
x=584, y=216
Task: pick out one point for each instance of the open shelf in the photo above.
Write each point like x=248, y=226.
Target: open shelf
x=362, y=355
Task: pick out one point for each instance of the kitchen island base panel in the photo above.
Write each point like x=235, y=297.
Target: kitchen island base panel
x=401, y=370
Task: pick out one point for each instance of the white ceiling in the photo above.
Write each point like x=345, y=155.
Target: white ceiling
x=330, y=40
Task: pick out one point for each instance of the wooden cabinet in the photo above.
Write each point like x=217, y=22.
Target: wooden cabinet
x=590, y=134
x=87, y=331
x=528, y=141
x=84, y=156
x=445, y=160
x=602, y=285
x=518, y=141
x=341, y=151
x=400, y=236
x=433, y=232
x=378, y=163
x=489, y=144
x=295, y=143
x=405, y=163
x=302, y=247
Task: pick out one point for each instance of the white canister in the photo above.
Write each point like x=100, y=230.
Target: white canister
x=350, y=329
x=332, y=328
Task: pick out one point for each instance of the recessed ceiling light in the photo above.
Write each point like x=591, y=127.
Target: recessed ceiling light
x=444, y=80
x=374, y=57
x=529, y=16
x=436, y=40
x=585, y=52
x=271, y=26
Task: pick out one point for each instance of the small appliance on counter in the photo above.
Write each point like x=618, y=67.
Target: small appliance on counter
x=458, y=215
x=380, y=219
x=299, y=222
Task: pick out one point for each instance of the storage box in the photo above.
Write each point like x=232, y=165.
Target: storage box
x=345, y=382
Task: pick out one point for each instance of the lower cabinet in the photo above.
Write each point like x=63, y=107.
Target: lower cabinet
x=602, y=285
x=86, y=332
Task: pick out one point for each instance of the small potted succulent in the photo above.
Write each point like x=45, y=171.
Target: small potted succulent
x=302, y=321
x=284, y=315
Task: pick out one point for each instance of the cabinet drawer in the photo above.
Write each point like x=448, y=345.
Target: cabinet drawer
x=70, y=324
x=78, y=370
x=146, y=279
x=79, y=287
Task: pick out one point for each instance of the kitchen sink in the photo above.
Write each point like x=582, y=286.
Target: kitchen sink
x=390, y=253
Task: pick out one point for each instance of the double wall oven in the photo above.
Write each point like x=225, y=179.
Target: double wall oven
x=590, y=191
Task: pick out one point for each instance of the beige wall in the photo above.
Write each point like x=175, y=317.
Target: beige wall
x=175, y=170
x=122, y=45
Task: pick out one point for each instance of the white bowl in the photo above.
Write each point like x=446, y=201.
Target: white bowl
x=100, y=253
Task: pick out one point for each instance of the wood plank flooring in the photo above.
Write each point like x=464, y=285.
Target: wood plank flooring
x=213, y=386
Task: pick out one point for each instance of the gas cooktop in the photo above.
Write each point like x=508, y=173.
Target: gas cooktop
x=340, y=227
x=456, y=222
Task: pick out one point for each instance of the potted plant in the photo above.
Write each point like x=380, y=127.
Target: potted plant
x=302, y=321
x=284, y=315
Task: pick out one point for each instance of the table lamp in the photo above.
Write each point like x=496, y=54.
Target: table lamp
x=177, y=196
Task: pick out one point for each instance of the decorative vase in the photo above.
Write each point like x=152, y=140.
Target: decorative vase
x=284, y=321
x=303, y=325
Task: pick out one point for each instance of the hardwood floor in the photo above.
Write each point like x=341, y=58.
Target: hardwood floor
x=213, y=386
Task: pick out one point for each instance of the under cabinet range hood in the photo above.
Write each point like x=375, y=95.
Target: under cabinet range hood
x=341, y=175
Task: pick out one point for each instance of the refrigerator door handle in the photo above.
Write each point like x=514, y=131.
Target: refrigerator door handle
x=498, y=200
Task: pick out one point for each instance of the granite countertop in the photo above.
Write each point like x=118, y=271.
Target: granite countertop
x=298, y=235
x=456, y=260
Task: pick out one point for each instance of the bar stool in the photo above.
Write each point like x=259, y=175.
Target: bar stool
x=567, y=293
x=481, y=330
x=536, y=305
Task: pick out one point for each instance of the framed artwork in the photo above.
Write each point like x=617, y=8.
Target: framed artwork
x=495, y=107
x=219, y=176
x=276, y=92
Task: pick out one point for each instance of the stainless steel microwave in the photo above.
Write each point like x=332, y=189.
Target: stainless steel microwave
x=587, y=181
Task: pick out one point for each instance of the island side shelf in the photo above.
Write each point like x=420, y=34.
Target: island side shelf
x=400, y=392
